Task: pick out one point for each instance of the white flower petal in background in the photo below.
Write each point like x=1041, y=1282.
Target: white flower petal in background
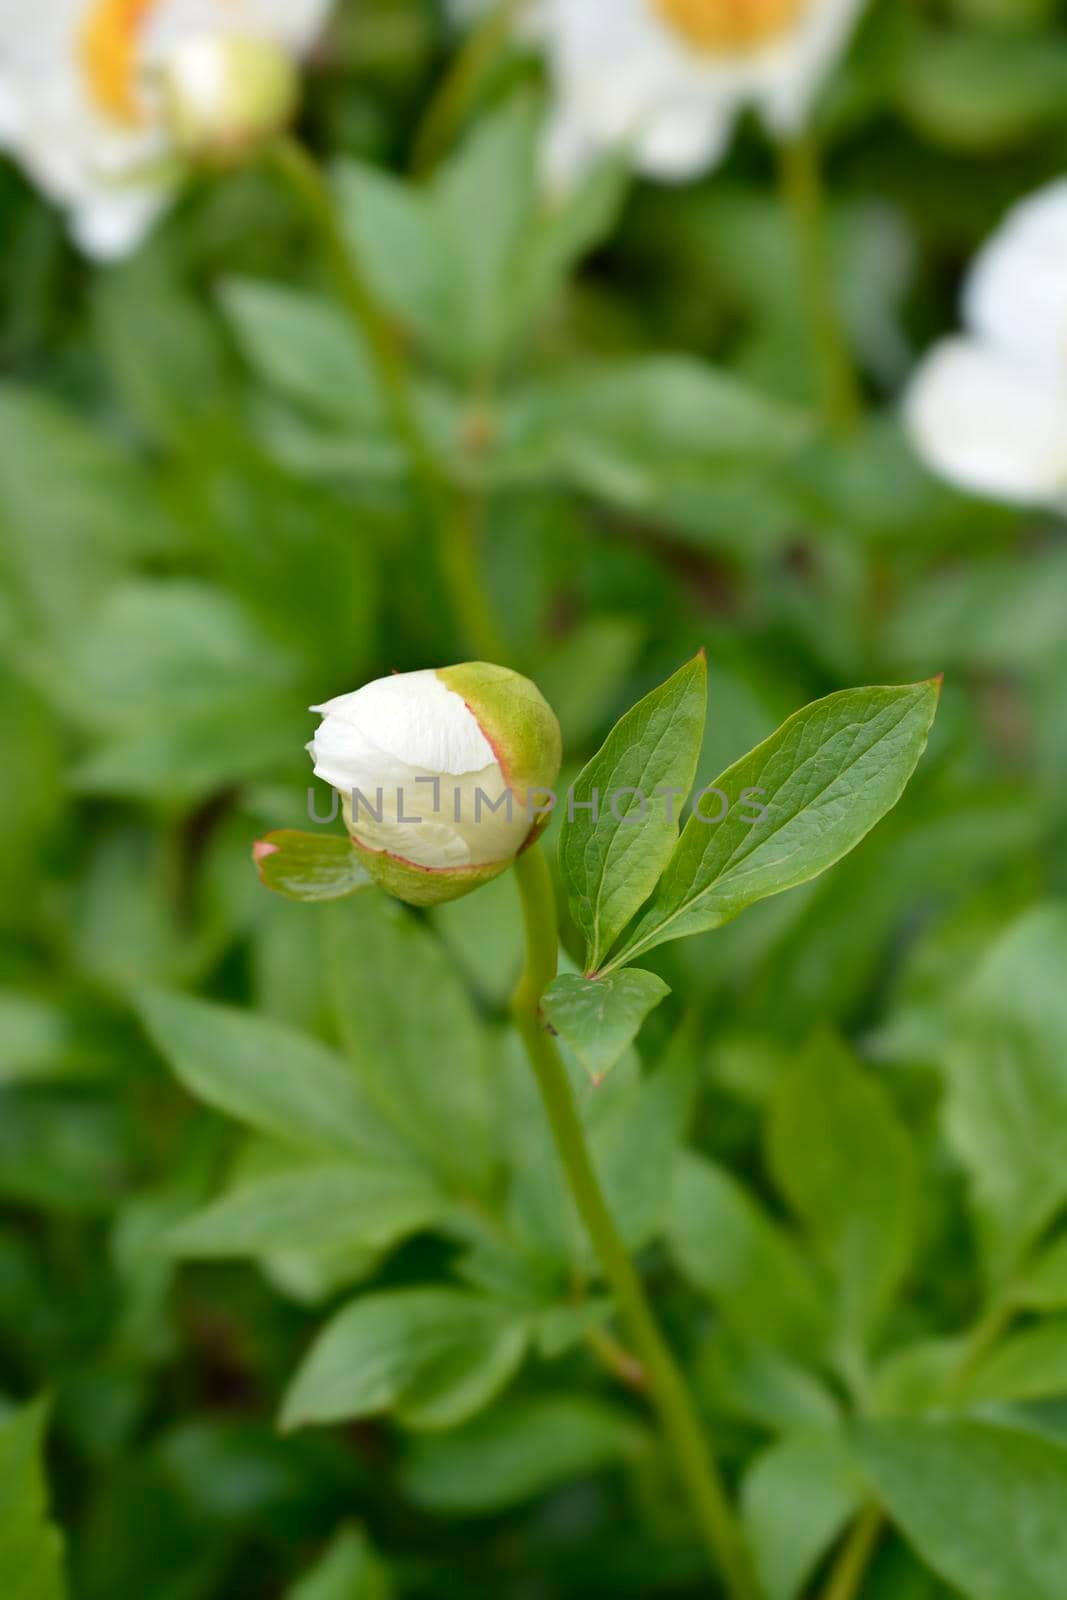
x=669, y=76
x=1016, y=291
x=109, y=226
x=789, y=75
x=683, y=141
x=293, y=24
x=77, y=108
x=989, y=424
x=988, y=411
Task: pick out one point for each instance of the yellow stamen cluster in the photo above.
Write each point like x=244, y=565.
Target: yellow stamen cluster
x=109, y=44
x=725, y=27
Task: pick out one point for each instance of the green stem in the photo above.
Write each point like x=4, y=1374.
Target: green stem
x=449, y=524
x=855, y=1557
x=458, y=558
x=707, y=1497
x=461, y=84
x=801, y=188
x=984, y=1334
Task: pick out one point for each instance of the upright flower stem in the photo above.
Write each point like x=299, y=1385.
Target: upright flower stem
x=447, y=521
x=707, y=1497
x=801, y=189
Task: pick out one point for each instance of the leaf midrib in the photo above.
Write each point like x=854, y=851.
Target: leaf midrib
x=595, y=954
x=630, y=951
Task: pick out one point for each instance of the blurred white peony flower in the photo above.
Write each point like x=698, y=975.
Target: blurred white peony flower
x=440, y=773
x=98, y=96
x=670, y=76
x=988, y=409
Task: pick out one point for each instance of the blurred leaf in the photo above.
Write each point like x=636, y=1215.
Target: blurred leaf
x=600, y=1017
x=481, y=209
x=634, y=1121
x=73, y=506
x=348, y=1570
x=823, y=780
x=427, y=1065
x=726, y=1246
x=30, y=738
x=389, y=224
x=519, y=1449
x=1002, y=613
x=560, y=1328
x=483, y=934
x=303, y=562
x=797, y=1497
x=983, y=1505
x=982, y=91
x=162, y=347
x=872, y=486
x=126, y=928
x=1028, y=1365
x=266, y=1075
x=315, y=1272
x=749, y=1379
x=309, y=866
x=30, y=1550
x=1007, y=1076
x=577, y=221
x=581, y=676
x=365, y=1206
x=1043, y=1286
x=844, y=1161
x=916, y=1377
x=647, y=763
x=35, y=1038
x=453, y=260
x=182, y=690
x=306, y=348
x=663, y=437
x=432, y=1356
x=236, y=1472
x=63, y=1151
x=636, y=1137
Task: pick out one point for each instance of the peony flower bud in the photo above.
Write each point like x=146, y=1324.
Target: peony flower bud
x=442, y=774
x=226, y=93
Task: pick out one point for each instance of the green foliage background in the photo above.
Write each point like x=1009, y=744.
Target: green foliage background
x=839, y=1147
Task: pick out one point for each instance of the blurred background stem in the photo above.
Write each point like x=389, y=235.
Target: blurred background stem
x=681, y=1426
x=459, y=88
x=450, y=523
x=850, y=1568
x=803, y=197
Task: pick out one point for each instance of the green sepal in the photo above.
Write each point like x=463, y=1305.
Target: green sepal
x=516, y=719
x=309, y=866
x=425, y=886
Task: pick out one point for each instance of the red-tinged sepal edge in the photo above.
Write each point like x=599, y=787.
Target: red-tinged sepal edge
x=433, y=886
x=310, y=866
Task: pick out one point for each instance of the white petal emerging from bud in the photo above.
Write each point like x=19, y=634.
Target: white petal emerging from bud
x=421, y=777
